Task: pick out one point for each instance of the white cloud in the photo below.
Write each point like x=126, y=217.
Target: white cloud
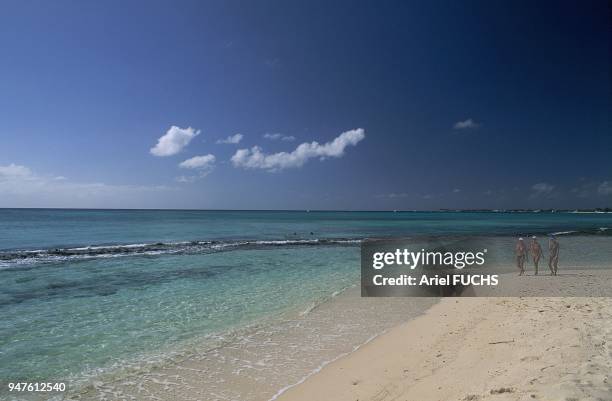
x=21, y=187
x=541, y=189
x=467, y=124
x=14, y=171
x=275, y=137
x=456, y=190
x=254, y=158
x=174, y=140
x=197, y=162
x=232, y=139
x=204, y=165
x=605, y=188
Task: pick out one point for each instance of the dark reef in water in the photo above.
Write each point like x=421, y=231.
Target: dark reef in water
x=186, y=247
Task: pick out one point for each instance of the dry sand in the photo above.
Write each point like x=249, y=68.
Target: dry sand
x=485, y=349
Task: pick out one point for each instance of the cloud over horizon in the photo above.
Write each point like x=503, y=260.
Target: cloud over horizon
x=14, y=171
x=541, y=189
x=173, y=141
x=22, y=187
x=231, y=140
x=605, y=188
x=254, y=158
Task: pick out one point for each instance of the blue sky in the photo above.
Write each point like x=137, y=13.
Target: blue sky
x=413, y=105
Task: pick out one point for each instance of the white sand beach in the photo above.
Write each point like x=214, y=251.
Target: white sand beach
x=498, y=349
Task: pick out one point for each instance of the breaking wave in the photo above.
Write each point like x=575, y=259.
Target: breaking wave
x=9, y=259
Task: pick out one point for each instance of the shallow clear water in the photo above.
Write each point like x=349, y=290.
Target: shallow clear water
x=88, y=292
x=61, y=322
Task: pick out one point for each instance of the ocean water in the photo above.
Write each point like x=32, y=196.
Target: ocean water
x=94, y=297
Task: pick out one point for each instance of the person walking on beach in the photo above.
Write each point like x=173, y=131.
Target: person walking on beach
x=521, y=253
x=536, y=252
x=553, y=257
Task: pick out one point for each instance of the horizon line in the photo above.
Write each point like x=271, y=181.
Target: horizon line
x=497, y=210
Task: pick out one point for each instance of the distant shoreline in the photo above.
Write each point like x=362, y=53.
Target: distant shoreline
x=543, y=211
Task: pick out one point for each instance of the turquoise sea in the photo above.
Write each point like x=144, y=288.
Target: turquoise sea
x=85, y=293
